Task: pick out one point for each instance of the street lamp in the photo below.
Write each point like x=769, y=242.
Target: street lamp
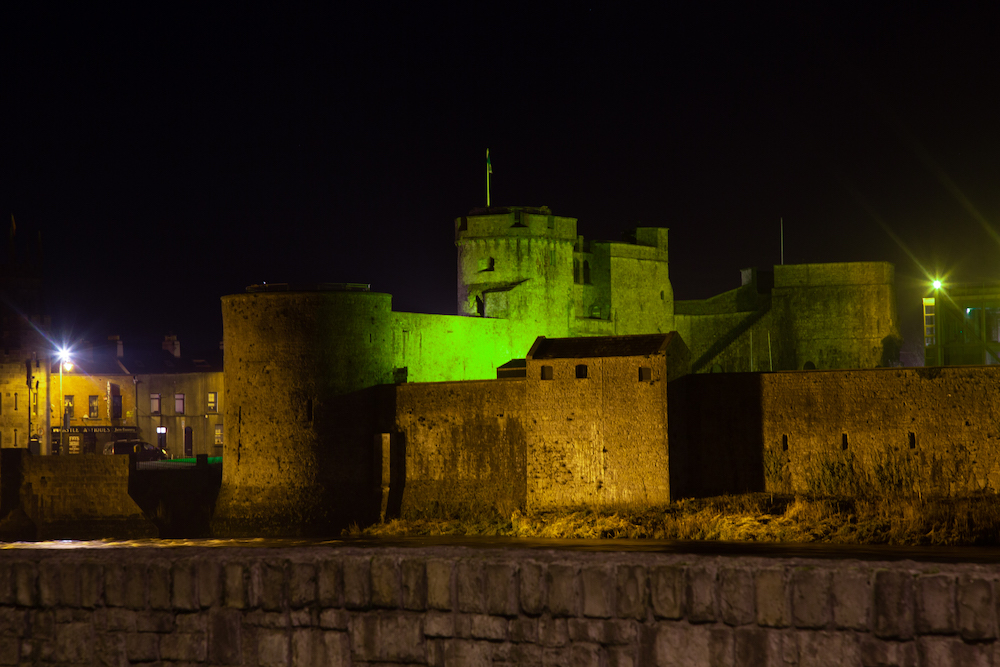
x=65, y=362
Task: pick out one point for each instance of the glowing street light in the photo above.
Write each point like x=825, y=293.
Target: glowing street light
x=65, y=362
x=937, y=284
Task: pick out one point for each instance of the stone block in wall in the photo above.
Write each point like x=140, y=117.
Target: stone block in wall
x=154, y=621
x=319, y=648
x=142, y=647
x=74, y=643
x=184, y=586
x=234, y=575
x=977, y=615
x=621, y=656
x=466, y=652
x=330, y=582
x=439, y=584
x=631, y=589
x=183, y=646
x=531, y=586
x=736, y=596
x=12, y=622
x=700, y=589
x=301, y=584
x=523, y=630
x=757, y=646
x=828, y=649
x=585, y=654
x=334, y=619
x=811, y=606
x=413, y=576
x=596, y=582
x=48, y=586
x=484, y=626
x=25, y=584
x=158, y=580
x=470, y=584
x=114, y=585
x=552, y=631
x=953, y=652
x=438, y=624
x=586, y=630
x=134, y=583
x=357, y=582
x=852, y=596
x=669, y=644
x=209, y=582
x=6, y=583
x=389, y=636
x=771, y=594
x=935, y=598
x=563, y=591
x=667, y=591
x=10, y=650
x=501, y=589
x=877, y=652
x=272, y=648
x=385, y=582
x=894, y=601
x=267, y=585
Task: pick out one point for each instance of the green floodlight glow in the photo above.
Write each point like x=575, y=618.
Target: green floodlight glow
x=937, y=284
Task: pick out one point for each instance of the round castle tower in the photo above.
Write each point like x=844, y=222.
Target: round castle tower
x=300, y=407
x=517, y=263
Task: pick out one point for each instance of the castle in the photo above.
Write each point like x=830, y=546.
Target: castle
x=339, y=410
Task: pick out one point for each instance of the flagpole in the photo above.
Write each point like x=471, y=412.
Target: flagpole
x=488, y=172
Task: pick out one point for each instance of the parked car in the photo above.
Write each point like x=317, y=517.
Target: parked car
x=144, y=450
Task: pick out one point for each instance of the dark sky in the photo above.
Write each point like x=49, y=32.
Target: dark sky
x=169, y=158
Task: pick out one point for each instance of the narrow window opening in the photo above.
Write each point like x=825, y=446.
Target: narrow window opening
x=15, y=400
x=464, y=225
x=913, y=440
x=480, y=307
x=92, y=406
x=581, y=371
x=576, y=270
x=784, y=443
x=843, y=441
x=586, y=272
x=546, y=372
x=809, y=366
x=645, y=374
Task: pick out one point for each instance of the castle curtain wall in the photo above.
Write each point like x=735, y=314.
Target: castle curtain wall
x=927, y=431
x=465, y=447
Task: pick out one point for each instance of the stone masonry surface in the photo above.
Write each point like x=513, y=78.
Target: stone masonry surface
x=446, y=605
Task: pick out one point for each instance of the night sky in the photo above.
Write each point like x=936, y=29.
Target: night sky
x=170, y=158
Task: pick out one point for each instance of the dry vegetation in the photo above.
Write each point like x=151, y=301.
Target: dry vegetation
x=970, y=520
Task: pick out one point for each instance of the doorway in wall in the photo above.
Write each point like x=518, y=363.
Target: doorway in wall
x=188, y=442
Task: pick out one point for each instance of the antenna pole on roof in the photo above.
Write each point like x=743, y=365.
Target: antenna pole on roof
x=489, y=170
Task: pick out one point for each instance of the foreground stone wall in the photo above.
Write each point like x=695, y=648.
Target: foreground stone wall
x=455, y=606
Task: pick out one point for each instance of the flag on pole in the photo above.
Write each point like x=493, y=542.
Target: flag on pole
x=489, y=168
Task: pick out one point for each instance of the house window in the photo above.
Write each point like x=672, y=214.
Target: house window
x=154, y=404
x=645, y=374
x=546, y=372
x=218, y=434
x=581, y=371
x=69, y=406
x=92, y=406
x=213, y=401
x=179, y=404
x=116, y=407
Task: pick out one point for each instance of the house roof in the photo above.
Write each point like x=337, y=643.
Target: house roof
x=599, y=346
x=146, y=360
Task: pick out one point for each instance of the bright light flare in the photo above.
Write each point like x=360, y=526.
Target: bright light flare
x=937, y=284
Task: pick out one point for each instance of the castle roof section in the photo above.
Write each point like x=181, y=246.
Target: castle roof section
x=644, y=345
x=514, y=221
x=649, y=243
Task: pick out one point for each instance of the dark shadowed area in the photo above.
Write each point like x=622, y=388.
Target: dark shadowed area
x=169, y=157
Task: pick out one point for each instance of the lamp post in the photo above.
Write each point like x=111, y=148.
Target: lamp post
x=64, y=362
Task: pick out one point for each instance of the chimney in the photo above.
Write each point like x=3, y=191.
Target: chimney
x=172, y=345
x=121, y=348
